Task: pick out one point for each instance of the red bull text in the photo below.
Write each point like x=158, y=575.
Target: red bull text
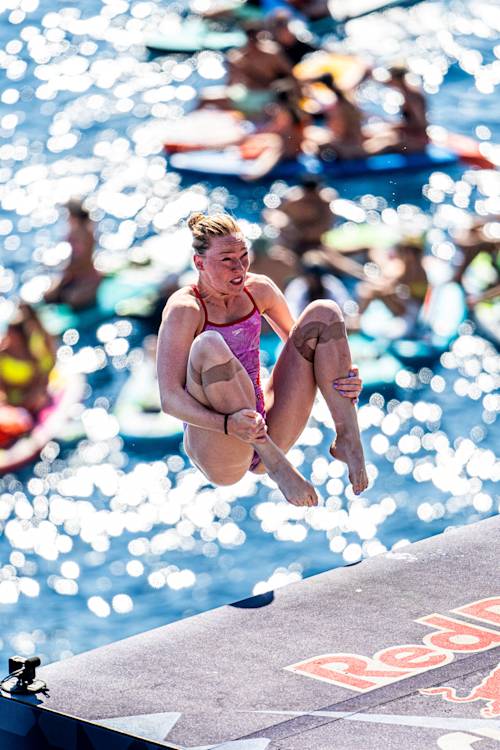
x=449, y=636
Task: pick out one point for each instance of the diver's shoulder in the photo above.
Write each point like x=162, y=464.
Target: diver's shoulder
x=261, y=287
x=182, y=301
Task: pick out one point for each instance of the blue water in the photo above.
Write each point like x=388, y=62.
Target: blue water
x=99, y=540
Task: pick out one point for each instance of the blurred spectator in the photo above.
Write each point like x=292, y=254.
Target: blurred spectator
x=344, y=124
x=79, y=282
x=402, y=285
x=303, y=216
x=280, y=137
x=27, y=356
x=410, y=134
x=292, y=45
x=314, y=282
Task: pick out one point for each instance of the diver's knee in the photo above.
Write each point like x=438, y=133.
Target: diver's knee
x=323, y=309
x=211, y=345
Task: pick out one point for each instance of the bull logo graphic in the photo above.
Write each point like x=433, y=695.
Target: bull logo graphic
x=488, y=690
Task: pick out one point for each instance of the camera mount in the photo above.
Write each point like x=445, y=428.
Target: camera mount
x=22, y=679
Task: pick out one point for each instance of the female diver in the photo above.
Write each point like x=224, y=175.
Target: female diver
x=208, y=369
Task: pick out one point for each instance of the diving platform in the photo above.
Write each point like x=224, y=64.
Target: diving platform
x=399, y=651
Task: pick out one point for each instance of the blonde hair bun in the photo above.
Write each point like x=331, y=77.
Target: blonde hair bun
x=194, y=219
x=205, y=227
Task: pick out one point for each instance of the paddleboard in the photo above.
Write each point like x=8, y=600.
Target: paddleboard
x=234, y=9
x=351, y=237
x=128, y=284
x=436, y=327
x=205, y=128
x=345, y=10
x=192, y=36
x=469, y=150
x=138, y=410
x=229, y=163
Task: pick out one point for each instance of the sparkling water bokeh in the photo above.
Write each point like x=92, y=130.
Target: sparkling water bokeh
x=99, y=539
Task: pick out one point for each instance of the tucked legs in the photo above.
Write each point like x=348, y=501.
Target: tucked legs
x=217, y=379
x=316, y=354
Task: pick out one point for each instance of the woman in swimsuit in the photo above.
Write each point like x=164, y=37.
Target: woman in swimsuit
x=208, y=369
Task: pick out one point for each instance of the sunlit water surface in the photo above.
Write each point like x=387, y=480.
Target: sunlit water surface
x=99, y=541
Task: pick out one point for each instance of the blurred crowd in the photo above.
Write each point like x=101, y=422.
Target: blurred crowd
x=296, y=103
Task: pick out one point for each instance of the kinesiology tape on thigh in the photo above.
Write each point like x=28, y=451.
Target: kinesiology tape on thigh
x=194, y=374
x=316, y=332
x=220, y=373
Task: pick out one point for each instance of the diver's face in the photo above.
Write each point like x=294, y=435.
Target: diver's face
x=225, y=263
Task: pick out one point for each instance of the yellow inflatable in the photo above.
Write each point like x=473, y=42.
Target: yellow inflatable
x=347, y=71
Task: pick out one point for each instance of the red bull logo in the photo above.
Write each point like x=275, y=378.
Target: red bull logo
x=488, y=690
x=449, y=636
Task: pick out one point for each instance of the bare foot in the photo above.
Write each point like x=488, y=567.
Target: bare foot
x=347, y=448
x=293, y=485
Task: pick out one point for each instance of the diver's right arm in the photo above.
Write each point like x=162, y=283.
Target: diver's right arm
x=181, y=320
x=177, y=332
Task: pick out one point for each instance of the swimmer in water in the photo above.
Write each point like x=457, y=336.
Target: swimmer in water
x=209, y=369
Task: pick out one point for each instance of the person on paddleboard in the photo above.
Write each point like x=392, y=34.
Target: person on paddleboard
x=209, y=369
x=27, y=357
x=78, y=284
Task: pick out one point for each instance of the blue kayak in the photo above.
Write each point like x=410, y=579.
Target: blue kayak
x=229, y=163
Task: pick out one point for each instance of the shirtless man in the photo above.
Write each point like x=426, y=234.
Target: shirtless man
x=252, y=71
x=280, y=137
x=341, y=136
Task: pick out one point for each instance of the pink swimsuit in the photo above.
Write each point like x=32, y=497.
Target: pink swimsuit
x=243, y=338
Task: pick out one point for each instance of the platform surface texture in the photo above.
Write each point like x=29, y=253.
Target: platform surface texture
x=337, y=661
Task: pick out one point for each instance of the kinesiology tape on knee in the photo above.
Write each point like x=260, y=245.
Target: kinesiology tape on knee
x=220, y=373
x=316, y=332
